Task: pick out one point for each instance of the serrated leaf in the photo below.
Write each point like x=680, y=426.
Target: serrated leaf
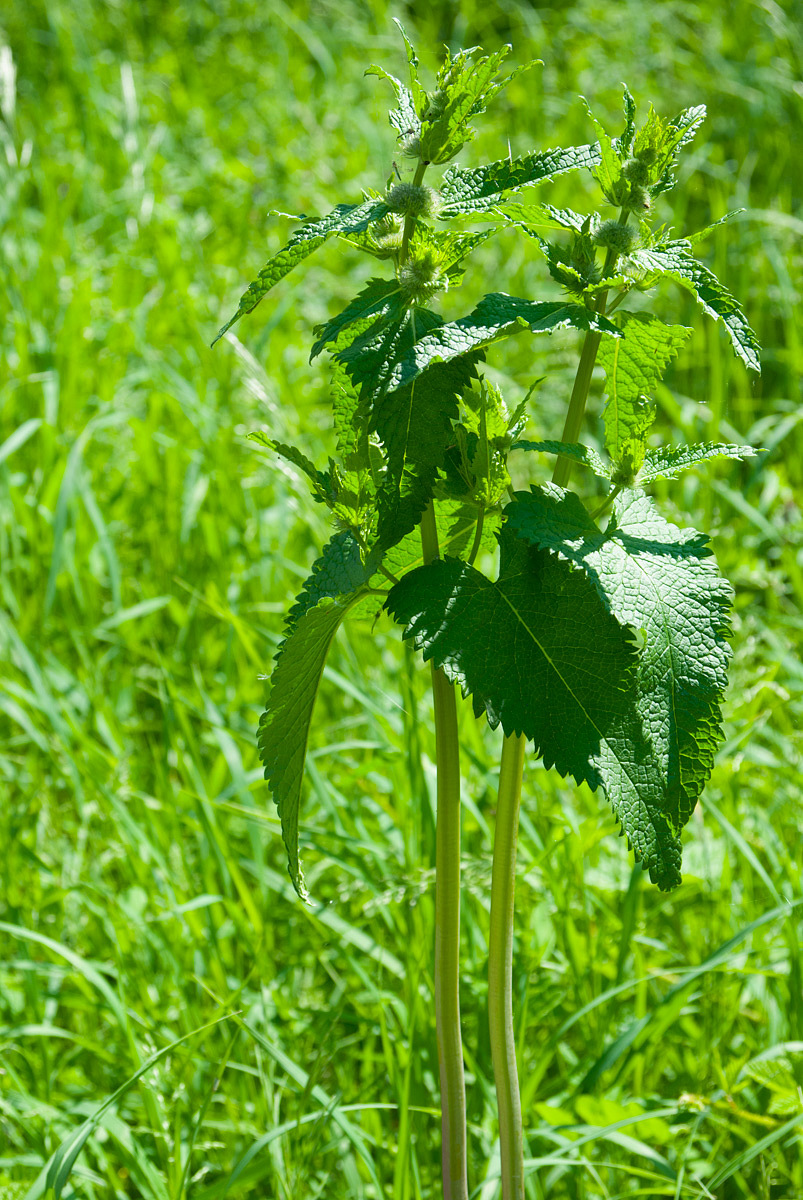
x=694, y=238
x=480, y=189
x=582, y=454
x=666, y=462
x=284, y=726
x=404, y=118
x=663, y=581
x=539, y=653
x=672, y=262
x=609, y=170
x=633, y=365
x=546, y=216
x=496, y=316
x=414, y=423
x=340, y=570
x=379, y=298
x=298, y=459
x=625, y=142
x=346, y=218
x=463, y=87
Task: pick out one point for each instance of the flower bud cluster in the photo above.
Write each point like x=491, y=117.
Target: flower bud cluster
x=420, y=277
x=613, y=236
x=412, y=200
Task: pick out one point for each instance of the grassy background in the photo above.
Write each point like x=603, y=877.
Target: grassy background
x=147, y=552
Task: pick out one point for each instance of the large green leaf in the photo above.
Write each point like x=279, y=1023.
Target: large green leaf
x=346, y=218
x=541, y=655
x=285, y=724
x=633, y=365
x=664, y=582
x=480, y=189
x=496, y=316
x=672, y=261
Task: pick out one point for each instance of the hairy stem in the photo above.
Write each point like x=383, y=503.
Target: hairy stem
x=500, y=969
x=447, y=917
x=409, y=222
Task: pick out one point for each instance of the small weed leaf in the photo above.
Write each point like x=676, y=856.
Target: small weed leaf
x=663, y=581
x=633, y=364
x=346, y=218
x=671, y=261
x=496, y=316
x=666, y=462
x=481, y=189
x=284, y=726
x=582, y=454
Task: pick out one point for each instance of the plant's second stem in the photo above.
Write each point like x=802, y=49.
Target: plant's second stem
x=447, y=917
x=500, y=969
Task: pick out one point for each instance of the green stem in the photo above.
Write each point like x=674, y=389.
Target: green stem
x=500, y=969
x=503, y=881
x=447, y=917
x=409, y=222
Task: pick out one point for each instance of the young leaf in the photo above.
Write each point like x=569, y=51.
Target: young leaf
x=346, y=218
x=404, y=118
x=671, y=261
x=463, y=88
x=285, y=724
x=663, y=581
x=609, y=170
x=496, y=316
x=666, y=462
x=540, y=654
x=480, y=189
x=582, y=454
x=633, y=365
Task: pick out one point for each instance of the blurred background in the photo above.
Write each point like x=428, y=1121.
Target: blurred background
x=148, y=552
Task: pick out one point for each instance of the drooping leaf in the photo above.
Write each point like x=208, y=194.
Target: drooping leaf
x=700, y=234
x=298, y=459
x=540, y=654
x=480, y=189
x=496, y=316
x=284, y=726
x=380, y=298
x=663, y=581
x=671, y=261
x=346, y=218
x=582, y=454
x=666, y=462
x=633, y=365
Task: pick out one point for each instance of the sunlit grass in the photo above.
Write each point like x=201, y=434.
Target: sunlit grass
x=147, y=552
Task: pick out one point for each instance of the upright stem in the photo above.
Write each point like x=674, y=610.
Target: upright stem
x=447, y=917
x=500, y=969
x=503, y=881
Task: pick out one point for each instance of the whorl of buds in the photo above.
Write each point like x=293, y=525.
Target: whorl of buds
x=638, y=198
x=410, y=146
x=410, y=200
x=613, y=236
x=647, y=155
x=420, y=278
x=637, y=171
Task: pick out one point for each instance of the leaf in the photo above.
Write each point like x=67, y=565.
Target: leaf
x=404, y=119
x=298, y=459
x=340, y=571
x=346, y=218
x=414, y=423
x=480, y=189
x=671, y=261
x=284, y=726
x=463, y=88
x=633, y=365
x=694, y=238
x=541, y=656
x=379, y=298
x=666, y=462
x=609, y=169
x=663, y=581
x=546, y=216
x=582, y=454
x=496, y=316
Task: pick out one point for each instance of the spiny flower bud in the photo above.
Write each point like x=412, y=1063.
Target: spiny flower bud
x=420, y=278
x=410, y=146
x=613, y=236
x=410, y=200
x=637, y=171
x=647, y=154
x=638, y=198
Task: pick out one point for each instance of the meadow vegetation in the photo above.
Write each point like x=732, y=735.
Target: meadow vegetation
x=148, y=552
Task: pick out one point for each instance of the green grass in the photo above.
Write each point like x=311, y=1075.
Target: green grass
x=147, y=552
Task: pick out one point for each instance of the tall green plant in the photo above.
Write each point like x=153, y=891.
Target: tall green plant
x=602, y=637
